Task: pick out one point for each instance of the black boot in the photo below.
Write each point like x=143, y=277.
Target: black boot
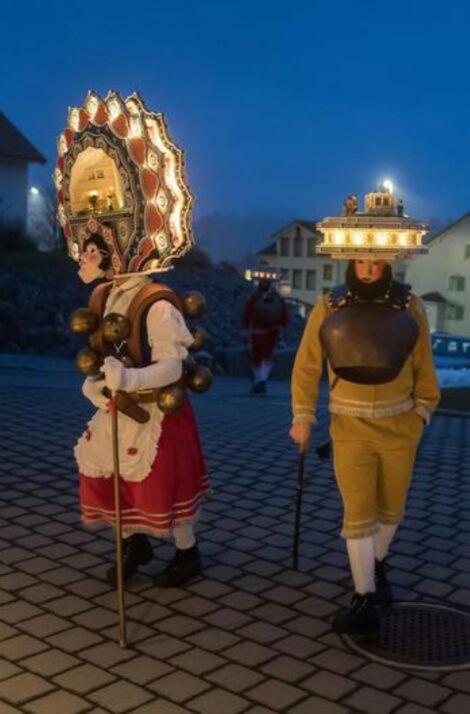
x=186, y=564
x=361, y=617
x=259, y=387
x=136, y=550
x=383, y=589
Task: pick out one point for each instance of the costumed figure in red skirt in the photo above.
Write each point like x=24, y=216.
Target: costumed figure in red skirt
x=264, y=315
x=124, y=207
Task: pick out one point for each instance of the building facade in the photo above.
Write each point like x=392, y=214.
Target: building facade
x=307, y=274
x=16, y=152
x=442, y=278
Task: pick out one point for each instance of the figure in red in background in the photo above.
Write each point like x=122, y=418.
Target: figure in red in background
x=265, y=314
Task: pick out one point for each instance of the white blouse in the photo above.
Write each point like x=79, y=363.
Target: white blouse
x=169, y=339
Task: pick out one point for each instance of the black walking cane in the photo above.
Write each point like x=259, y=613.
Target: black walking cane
x=323, y=453
x=298, y=510
x=118, y=519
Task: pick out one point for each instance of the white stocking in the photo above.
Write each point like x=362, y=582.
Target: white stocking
x=383, y=538
x=184, y=536
x=265, y=370
x=256, y=374
x=361, y=560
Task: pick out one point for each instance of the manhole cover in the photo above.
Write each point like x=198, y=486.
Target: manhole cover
x=417, y=636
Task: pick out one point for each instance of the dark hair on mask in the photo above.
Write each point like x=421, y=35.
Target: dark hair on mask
x=103, y=248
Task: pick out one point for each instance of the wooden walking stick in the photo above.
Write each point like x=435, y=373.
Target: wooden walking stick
x=117, y=511
x=298, y=509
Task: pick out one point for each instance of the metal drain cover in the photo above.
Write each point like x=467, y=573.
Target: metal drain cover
x=419, y=636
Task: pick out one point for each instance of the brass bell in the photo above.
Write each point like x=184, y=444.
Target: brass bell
x=115, y=327
x=199, y=335
x=83, y=321
x=170, y=399
x=199, y=380
x=194, y=304
x=88, y=362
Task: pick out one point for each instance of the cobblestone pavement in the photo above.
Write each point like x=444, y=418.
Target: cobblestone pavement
x=251, y=635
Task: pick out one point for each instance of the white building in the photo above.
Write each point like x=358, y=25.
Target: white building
x=16, y=152
x=308, y=274
x=442, y=278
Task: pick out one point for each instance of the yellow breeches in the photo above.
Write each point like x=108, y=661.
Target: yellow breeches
x=373, y=463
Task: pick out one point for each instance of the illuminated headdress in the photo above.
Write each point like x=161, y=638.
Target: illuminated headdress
x=382, y=231
x=120, y=175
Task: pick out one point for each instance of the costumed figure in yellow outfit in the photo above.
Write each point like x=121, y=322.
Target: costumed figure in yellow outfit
x=374, y=335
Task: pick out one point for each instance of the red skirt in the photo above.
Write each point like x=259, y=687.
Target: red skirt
x=262, y=346
x=170, y=495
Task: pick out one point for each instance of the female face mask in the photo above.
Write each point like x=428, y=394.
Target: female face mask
x=91, y=262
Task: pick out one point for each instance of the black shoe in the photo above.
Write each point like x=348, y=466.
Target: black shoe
x=361, y=617
x=259, y=388
x=383, y=589
x=136, y=550
x=186, y=564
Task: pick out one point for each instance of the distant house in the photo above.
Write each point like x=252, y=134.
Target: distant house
x=293, y=254
x=16, y=152
x=442, y=278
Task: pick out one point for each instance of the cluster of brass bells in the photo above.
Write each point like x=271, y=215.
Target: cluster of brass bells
x=116, y=328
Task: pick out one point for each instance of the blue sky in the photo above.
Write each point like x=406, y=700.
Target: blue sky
x=282, y=107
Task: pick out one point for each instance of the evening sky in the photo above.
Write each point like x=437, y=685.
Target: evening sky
x=282, y=107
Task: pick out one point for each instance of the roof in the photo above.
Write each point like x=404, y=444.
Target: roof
x=433, y=297
x=309, y=225
x=269, y=250
x=14, y=145
x=428, y=240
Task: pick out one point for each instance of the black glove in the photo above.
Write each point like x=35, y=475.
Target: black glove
x=324, y=451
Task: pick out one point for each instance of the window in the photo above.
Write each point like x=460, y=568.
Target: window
x=327, y=272
x=297, y=279
x=378, y=201
x=467, y=250
x=455, y=312
x=298, y=244
x=311, y=243
x=311, y=279
x=285, y=274
x=285, y=241
x=457, y=283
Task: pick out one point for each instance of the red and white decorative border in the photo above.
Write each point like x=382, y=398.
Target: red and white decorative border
x=167, y=199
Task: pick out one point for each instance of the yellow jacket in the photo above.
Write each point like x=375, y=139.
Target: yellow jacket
x=415, y=387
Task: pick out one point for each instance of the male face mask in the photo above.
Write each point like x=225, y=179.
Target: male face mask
x=368, y=279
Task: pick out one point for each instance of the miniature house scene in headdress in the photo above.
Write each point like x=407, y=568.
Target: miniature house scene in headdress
x=120, y=174
x=381, y=230
x=95, y=184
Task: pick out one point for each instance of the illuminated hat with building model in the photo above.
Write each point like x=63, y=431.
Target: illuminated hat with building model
x=382, y=231
x=119, y=175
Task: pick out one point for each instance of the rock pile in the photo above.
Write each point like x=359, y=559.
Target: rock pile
x=36, y=302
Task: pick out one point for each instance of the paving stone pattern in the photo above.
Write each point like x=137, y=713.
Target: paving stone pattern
x=250, y=636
